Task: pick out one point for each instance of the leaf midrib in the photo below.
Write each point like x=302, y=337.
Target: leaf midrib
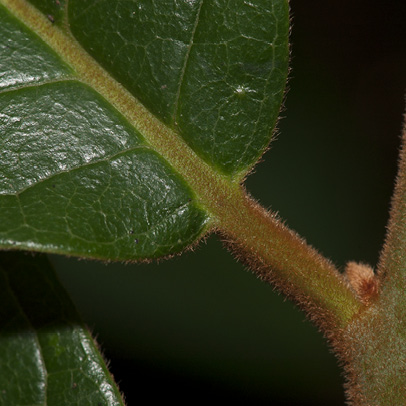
x=207, y=184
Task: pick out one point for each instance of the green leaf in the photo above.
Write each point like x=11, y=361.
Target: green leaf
x=47, y=356
x=88, y=170
x=204, y=68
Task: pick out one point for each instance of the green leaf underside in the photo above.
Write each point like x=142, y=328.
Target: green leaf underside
x=47, y=357
x=214, y=70
x=24, y=59
x=76, y=176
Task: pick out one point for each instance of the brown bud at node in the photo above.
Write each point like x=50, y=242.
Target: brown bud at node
x=363, y=280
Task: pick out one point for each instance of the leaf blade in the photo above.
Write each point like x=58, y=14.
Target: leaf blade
x=45, y=348
x=71, y=128
x=205, y=185
x=25, y=60
x=210, y=66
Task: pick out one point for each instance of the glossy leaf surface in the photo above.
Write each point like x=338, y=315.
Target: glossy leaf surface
x=87, y=170
x=47, y=356
x=214, y=70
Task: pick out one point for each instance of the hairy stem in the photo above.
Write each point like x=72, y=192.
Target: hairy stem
x=374, y=344
x=281, y=257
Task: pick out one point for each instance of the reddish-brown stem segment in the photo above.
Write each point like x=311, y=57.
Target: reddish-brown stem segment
x=392, y=264
x=280, y=256
x=373, y=347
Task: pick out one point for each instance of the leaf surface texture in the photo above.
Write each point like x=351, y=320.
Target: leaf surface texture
x=47, y=356
x=105, y=107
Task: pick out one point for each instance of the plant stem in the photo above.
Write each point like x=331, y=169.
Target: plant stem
x=279, y=256
x=374, y=344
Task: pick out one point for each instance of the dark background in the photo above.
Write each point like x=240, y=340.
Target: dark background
x=200, y=328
